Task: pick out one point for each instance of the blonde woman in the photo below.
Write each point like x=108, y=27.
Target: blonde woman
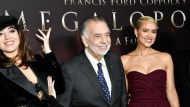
x=149, y=73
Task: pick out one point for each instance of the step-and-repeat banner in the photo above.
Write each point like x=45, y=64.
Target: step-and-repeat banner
x=65, y=16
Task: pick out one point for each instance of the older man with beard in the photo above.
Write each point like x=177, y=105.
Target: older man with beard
x=95, y=77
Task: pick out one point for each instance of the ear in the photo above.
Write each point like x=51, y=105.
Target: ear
x=84, y=40
x=135, y=32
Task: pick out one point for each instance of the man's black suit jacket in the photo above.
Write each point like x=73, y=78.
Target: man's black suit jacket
x=82, y=87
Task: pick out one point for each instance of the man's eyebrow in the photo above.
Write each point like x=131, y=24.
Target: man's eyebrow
x=97, y=34
x=107, y=33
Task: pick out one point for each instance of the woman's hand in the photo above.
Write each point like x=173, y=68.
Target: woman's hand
x=129, y=98
x=45, y=38
x=51, y=89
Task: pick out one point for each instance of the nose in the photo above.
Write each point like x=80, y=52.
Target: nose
x=7, y=36
x=104, y=40
x=150, y=34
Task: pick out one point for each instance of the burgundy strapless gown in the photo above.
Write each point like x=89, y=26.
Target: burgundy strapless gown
x=147, y=90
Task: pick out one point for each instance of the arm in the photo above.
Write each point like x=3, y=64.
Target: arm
x=170, y=85
x=55, y=71
x=123, y=59
x=124, y=90
x=128, y=94
x=51, y=62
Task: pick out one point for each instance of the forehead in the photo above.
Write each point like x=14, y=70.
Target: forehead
x=148, y=24
x=98, y=26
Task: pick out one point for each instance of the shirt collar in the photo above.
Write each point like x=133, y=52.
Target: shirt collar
x=92, y=59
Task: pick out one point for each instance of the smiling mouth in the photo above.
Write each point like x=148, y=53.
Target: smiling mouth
x=148, y=40
x=103, y=48
x=9, y=43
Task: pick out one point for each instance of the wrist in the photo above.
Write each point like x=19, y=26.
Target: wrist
x=46, y=49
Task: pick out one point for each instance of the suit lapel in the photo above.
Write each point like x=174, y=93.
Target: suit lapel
x=88, y=70
x=15, y=75
x=110, y=67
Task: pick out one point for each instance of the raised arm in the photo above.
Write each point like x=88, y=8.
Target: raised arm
x=51, y=62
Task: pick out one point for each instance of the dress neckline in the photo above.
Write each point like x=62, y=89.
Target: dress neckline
x=156, y=70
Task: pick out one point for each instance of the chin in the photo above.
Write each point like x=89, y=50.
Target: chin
x=10, y=50
x=102, y=53
x=148, y=46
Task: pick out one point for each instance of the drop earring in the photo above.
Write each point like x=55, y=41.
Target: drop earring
x=136, y=37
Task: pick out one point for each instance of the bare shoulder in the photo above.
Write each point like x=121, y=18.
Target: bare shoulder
x=165, y=56
x=127, y=56
x=162, y=54
x=125, y=60
x=124, y=57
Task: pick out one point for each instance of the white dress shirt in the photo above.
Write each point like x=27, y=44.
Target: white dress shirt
x=94, y=63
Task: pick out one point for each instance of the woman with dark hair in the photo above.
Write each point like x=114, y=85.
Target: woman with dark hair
x=23, y=75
